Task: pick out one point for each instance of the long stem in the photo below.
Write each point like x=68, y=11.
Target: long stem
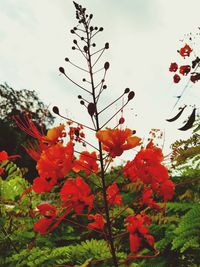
x=110, y=236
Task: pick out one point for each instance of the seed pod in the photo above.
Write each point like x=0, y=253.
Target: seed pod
x=131, y=95
x=177, y=115
x=56, y=110
x=62, y=70
x=91, y=109
x=106, y=65
x=190, y=121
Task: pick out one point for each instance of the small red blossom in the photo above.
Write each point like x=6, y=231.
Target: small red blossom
x=185, y=51
x=135, y=242
x=98, y=221
x=47, y=210
x=87, y=162
x=185, y=69
x=41, y=185
x=76, y=194
x=195, y=77
x=112, y=195
x=3, y=156
x=166, y=190
x=147, y=199
x=76, y=133
x=173, y=67
x=176, y=78
x=116, y=141
x=43, y=225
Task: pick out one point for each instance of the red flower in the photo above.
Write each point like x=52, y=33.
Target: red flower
x=3, y=156
x=98, y=221
x=76, y=194
x=56, y=161
x=195, y=77
x=116, y=141
x=47, y=210
x=147, y=199
x=176, y=78
x=185, y=51
x=135, y=242
x=112, y=195
x=41, y=185
x=87, y=162
x=136, y=226
x=167, y=190
x=43, y=225
x=173, y=67
x=29, y=127
x=184, y=70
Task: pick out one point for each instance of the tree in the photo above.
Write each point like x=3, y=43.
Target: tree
x=13, y=104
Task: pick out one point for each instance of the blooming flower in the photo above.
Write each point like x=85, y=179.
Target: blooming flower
x=76, y=194
x=43, y=225
x=185, y=51
x=185, y=69
x=41, y=185
x=98, y=221
x=86, y=162
x=176, y=78
x=116, y=141
x=173, y=67
x=112, y=195
x=56, y=161
x=137, y=227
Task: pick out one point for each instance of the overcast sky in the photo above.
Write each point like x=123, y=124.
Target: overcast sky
x=144, y=36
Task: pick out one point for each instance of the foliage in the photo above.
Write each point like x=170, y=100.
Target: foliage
x=14, y=103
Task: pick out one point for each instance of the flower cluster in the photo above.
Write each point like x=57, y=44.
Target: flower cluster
x=184, y=70
x=147, y=167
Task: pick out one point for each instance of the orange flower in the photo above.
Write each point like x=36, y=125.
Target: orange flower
x=87, y=162
x=115, y=141
x=56, y=161
x=29, y=127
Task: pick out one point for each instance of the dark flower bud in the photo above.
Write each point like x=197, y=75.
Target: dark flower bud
x=73, y=47
x=93, y=44
x=72, y=31
x=67, y=59
x=91, y=28
x=134, y=131
x=105, y=86
x=62, y=70
x=82, y=102
x=131, y=95
x=91, y=16
x=75, y=28
x=84, y=80
x=96, y=28
x=75, y=41
x=106, y=45
x=91, y=109
x=79, y=96
x=106, y=65
x=56, y=110
x=121, y=120
x=85, y=48
x=82, y=38
x=101, y=29
x=127, y=90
